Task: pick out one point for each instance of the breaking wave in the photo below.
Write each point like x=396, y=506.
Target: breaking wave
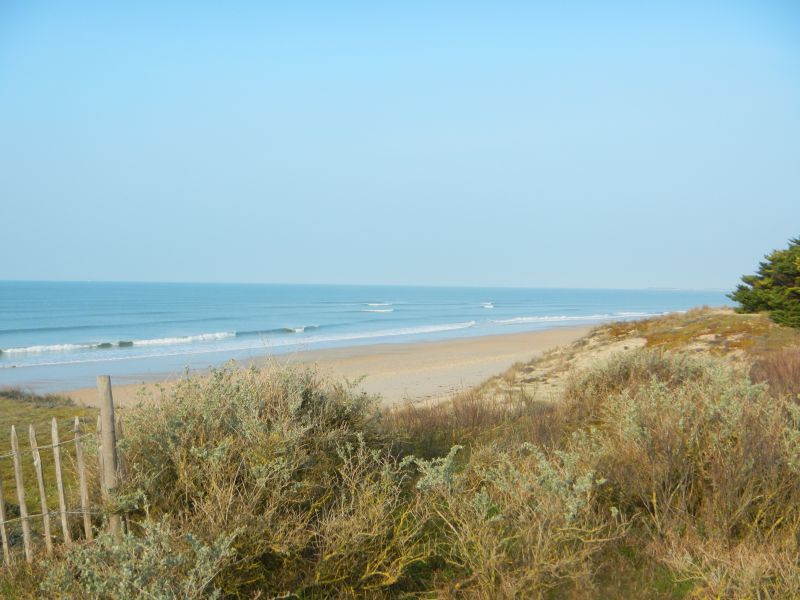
x=272, y=343
x=167, y=341
x=562, y=318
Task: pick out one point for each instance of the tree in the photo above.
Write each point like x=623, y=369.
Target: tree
x=775, y=288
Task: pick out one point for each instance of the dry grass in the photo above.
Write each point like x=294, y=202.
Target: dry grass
x=780, y=369
x=716, y=331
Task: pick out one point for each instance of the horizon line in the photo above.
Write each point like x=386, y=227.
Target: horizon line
x=418, y=285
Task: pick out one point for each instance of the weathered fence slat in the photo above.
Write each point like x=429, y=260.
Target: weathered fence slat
x=87, y=520
x=3, y=532
x=37, y=465
x=109, y=447
x=62, y=501
x=23, y=508
x=99, y=435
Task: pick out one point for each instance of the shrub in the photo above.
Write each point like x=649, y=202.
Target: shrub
x=707, y=468
x=370, y=537
x=715, y=456
x=775, y=288
x=516, y=524
x=587, y=391
x=157, y=564
x=289, y=460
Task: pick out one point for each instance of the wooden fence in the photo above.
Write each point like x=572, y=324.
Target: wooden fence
x=30, y=533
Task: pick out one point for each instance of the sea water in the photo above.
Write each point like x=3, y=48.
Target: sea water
x=60, y=335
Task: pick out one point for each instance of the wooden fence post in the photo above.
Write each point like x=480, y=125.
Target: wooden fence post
x=109, y=449
x=62, y=498
x=23, y=507
x=37, y=465
x=87, y=520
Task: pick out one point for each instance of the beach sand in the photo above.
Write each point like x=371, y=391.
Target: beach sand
x=398, y=372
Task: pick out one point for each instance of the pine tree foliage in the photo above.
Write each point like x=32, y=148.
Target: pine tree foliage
x=775, y=289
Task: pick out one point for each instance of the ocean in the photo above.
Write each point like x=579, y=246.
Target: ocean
x=60, y=335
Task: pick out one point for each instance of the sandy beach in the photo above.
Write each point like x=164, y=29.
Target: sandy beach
x=398, y=372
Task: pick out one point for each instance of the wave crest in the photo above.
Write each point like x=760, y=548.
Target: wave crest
x=169, y=341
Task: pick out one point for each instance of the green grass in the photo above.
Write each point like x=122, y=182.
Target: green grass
x=21, y=409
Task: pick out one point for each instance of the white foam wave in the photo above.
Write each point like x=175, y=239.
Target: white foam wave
x=186, y=339
x=265, y=345
x=488, y=305
x=379, y=303
x=343, y=337
x=378, y=310
x=47, y=348
x=299, y=329
x=170, y=341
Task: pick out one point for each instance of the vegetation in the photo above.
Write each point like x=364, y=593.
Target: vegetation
x=719, y=332
x=775, y=289
x=657, y=473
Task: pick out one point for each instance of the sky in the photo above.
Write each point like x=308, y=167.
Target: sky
x=563, y=144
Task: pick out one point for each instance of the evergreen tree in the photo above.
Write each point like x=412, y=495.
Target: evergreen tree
x=775, y=288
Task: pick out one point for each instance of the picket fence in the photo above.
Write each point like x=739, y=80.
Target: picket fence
x=37, y=531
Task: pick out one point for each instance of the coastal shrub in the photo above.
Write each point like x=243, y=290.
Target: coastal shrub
x=775, y=288
x=289, y=460
x=717, y=455
x=587, y=391
x=157, y=563
x=706, y=468
x=370, y=537
x=516, y=523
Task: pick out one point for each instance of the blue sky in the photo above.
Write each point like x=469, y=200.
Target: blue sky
x=573, y=144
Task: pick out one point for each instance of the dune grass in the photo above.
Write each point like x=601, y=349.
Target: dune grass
x=720, y=330
x=780, y=370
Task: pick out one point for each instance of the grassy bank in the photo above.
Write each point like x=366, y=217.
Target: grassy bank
x=648, y=460
x=21, y=409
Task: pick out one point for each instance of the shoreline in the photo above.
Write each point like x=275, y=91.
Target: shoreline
x=402, y=372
